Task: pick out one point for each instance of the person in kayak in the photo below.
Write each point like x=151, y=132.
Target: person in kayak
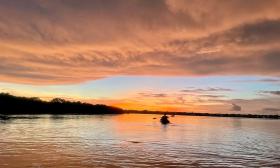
x=164, y=119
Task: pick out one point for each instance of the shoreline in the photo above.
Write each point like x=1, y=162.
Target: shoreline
x=229, y=115
x=14, y=105
x=275, y=117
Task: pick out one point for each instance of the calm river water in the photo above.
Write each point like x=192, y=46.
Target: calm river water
x=138, y=140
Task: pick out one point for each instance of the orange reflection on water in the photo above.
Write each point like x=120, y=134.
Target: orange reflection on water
x=138, y=140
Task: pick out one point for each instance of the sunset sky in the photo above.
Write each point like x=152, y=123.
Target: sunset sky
x=217, y=56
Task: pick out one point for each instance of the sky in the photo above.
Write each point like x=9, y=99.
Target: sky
x=217, y=56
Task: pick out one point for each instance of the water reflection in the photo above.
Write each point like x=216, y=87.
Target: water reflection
x=237, y=123
x=138, y=141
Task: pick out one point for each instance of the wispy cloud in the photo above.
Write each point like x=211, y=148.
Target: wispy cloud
x=271, y=109
x=55, y=41
x=209, y=89
x=156, y=95
x=270, y=80
x=275, y=93
x=235, y=107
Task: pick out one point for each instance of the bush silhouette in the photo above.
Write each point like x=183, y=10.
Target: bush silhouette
x=10, y=104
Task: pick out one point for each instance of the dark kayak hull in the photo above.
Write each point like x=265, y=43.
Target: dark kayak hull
x=164, y=122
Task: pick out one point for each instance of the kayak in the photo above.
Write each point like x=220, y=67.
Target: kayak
x=164, y=121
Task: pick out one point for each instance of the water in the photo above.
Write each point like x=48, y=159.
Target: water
x=135, y=140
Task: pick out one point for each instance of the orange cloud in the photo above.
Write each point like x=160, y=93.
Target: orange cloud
x=57, y=42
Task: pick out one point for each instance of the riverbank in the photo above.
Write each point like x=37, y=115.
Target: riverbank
x=205, y=114
x=15, y=105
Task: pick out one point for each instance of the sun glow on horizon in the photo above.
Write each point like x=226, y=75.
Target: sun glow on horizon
x=180, y=94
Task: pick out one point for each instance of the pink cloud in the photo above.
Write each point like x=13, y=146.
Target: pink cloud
x=56, y=42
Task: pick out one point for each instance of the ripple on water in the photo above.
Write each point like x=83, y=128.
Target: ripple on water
x=115, y=141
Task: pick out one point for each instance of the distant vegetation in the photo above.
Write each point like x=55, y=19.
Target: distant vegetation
x=10, y=104
x=206, y=114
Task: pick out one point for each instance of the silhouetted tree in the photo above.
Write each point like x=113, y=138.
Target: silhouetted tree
x=58, y=100
x=21, y=105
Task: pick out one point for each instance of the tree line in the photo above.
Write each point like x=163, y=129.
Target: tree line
x=10, y=104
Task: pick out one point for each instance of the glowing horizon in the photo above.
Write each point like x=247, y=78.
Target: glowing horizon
x=197, y=94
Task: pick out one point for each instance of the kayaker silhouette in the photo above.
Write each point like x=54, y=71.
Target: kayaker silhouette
x=164, y=119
